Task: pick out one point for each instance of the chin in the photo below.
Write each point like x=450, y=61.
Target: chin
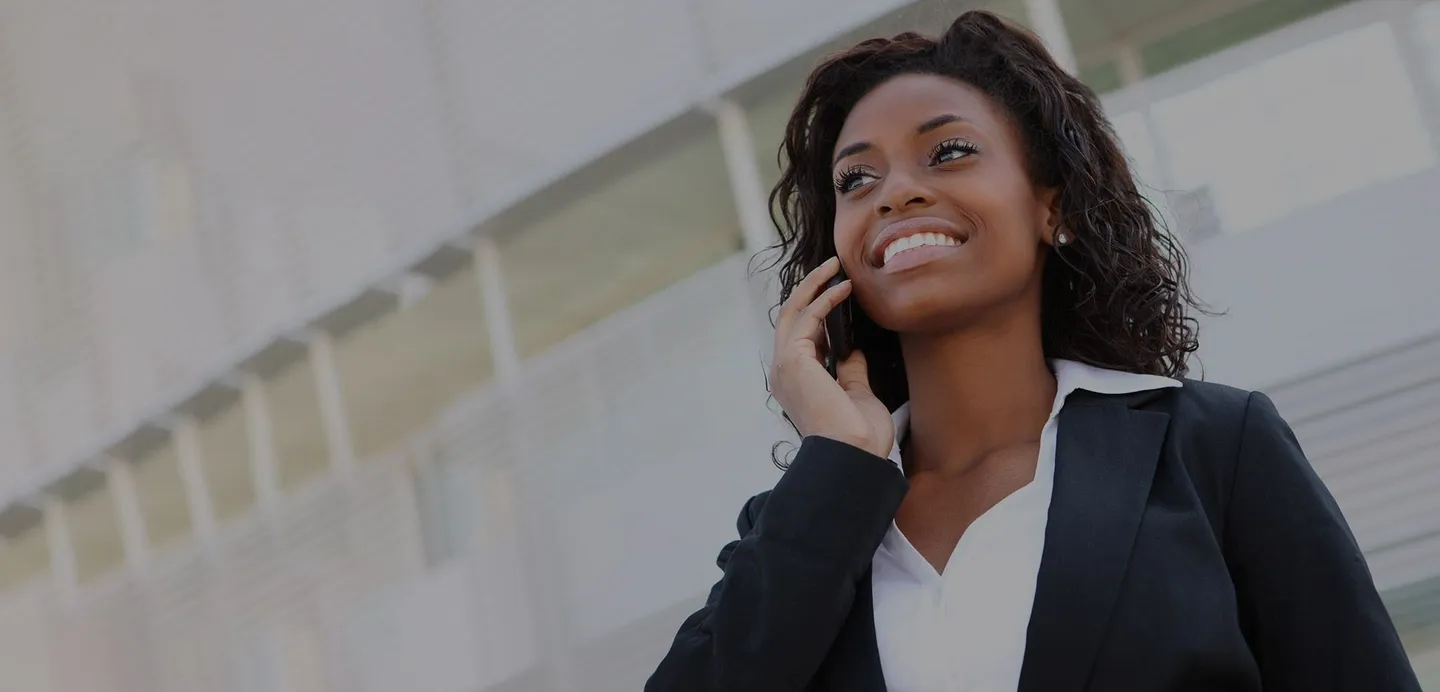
x=928, y=312
x=937, y=304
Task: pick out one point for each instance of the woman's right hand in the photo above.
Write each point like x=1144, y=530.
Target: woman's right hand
x=841, y=408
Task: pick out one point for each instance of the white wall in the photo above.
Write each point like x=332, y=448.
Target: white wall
x=1333, y=283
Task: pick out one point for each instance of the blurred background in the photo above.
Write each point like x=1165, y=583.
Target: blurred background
x=349, y=345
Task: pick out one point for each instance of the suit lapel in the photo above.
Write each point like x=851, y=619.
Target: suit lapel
x=1105, y=461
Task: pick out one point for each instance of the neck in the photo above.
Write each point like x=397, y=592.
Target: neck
x=973, y=392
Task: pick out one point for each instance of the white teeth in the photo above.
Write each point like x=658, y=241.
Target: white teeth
x=911, y=242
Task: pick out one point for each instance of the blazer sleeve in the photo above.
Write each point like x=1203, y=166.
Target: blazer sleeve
x=1308, y=605
x=790, y=580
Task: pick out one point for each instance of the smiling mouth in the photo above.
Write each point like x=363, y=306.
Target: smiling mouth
x=916, y=241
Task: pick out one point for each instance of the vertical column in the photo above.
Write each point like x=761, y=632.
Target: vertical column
x=1129, y=64
x=499, y=324
x=1049, y=24
x=120, y=478
x=185, y=433
x=63, y=563
x=260, y=436
x=332, y=403
x=738, y=143
x=752, y=205
x=544, y=593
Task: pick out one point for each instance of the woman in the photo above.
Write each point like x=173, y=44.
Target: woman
x=1009, y=487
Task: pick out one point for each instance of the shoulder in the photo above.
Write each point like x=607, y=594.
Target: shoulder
x=1213, y=426
x=1216, y=412
x=1220, y=409
x=1201, y=398
x=750, y=513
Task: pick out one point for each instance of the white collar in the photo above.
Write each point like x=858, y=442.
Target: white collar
x=1070, y=376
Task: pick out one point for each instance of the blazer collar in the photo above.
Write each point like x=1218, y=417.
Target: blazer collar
x=1106, y=455
x=1070, y=377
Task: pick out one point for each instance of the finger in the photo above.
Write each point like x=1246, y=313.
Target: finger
x=853, y=373
x=804, y=294
x=810, y=324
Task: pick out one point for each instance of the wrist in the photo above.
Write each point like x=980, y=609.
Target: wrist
x=871, y=447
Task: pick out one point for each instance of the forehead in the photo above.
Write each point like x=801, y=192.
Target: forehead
x=901, y=103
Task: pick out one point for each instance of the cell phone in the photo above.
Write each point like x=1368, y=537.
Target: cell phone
x=838, y=337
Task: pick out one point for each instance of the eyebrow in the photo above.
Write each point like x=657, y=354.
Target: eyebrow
x=927, y=126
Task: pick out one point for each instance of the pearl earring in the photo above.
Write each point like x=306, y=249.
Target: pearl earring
x=1062, y=238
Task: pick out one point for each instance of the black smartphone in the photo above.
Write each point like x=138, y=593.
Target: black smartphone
x=838, y=338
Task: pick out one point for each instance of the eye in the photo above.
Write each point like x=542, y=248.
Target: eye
x=952, y=150
x=852, y=178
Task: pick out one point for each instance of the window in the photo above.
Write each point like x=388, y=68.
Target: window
x=398, y=372
x=1197, y=41
x=300, y=448
x=767, y=118
x=642, y=228
x=1102, y=78
x=225, y=446
x=1169, y=33
x=24, y=557
x=162, y=496
x=1249, y=136
x=94, y=533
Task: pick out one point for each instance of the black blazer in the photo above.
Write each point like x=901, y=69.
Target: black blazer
x=1190, y=546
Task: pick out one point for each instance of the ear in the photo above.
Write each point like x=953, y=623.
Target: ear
x=1047, y=213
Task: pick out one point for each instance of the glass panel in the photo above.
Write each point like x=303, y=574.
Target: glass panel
x=399, y=371
x=299, y=435
x=226, y=450
x=646, y=228
x=1273, y=138
x=95, y=533
x=1197, y=41
x=1190, y=32
x=24, y=557
x=1096, y=28
x=1102, y=78
x=767, y=119
x=162, y=497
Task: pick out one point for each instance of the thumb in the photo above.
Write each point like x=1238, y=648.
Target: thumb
x=853, y=373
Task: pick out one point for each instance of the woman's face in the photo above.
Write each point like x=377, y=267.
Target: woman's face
x=936, y=220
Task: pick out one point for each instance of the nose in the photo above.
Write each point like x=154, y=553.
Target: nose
x=903, y=192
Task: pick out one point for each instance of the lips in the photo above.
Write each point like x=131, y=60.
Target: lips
x=913, y=234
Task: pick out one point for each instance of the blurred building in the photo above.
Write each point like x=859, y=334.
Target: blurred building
x=350, y=345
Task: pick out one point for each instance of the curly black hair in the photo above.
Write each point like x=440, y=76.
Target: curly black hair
x=1116, y=296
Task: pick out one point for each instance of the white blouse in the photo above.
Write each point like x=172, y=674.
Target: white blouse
x=964, y=631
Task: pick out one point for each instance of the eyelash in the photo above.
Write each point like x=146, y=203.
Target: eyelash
x=845, y=179
x=963, y=146
x=848, y=176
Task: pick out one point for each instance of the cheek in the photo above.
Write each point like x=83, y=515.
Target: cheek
x=849, y=237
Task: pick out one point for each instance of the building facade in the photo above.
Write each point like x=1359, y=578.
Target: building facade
x=348, y=344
